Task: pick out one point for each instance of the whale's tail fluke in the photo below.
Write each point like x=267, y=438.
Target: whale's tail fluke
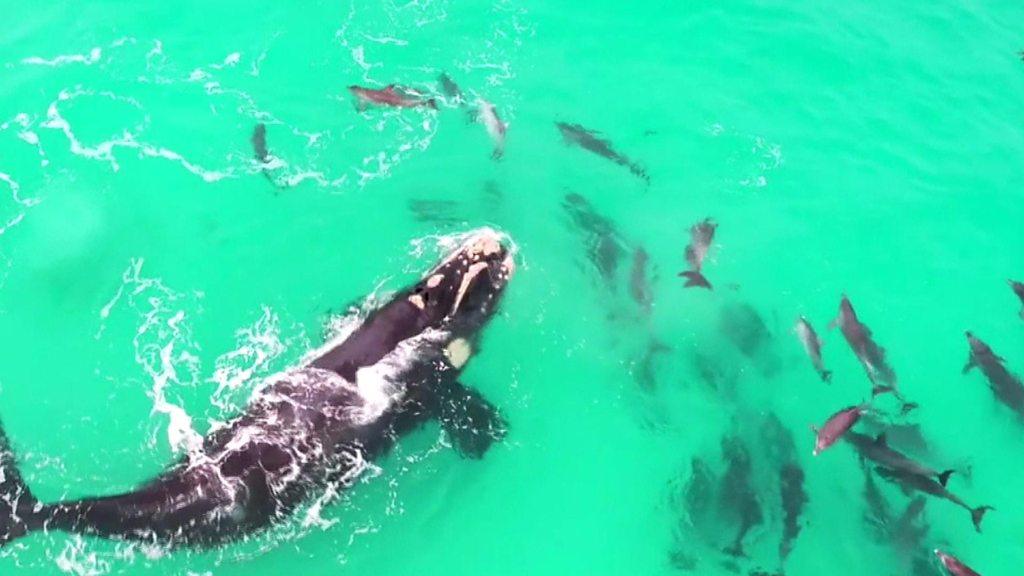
x=17, y=505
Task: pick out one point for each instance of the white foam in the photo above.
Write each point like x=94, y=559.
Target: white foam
x=104, y=151
x=164, y=348
x=256, y=346
x=87, y=59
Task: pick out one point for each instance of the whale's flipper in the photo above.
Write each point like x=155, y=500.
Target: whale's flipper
x=17, y=505
x=471, y=422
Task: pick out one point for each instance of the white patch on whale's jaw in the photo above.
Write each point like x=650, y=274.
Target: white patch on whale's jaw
x=458, y=352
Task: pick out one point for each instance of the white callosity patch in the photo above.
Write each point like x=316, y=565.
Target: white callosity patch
x=458, y=352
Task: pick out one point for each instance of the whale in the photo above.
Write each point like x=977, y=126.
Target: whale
x=315, y=426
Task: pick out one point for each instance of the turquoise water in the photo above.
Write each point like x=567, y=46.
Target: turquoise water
x=150, y=275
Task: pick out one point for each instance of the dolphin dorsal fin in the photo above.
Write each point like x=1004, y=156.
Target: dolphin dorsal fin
x=390, y=89
x=881, y=440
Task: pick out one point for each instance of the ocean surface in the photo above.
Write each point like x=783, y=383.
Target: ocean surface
x=153, y=271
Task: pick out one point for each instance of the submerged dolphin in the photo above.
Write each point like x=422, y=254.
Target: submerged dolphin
x=314, y=425
x=591, y=141
x=1018, y=289
x=605, y=247
x=1007, y=387
x=737, y=493
x=791, y=481
x=910, y=481
x=639, y=284
x=877, y=450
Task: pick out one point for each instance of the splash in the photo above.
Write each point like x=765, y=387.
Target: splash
x=257, y=346
x=164, y=348
x=76, y=559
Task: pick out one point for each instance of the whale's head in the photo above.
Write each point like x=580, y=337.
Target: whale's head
x=461, y=293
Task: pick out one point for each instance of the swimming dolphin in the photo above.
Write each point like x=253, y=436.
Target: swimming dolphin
x=910, y=481
x=836, y=426
x=591, y=141
x=260, y=152
x=737, y=493
x=1007, y=387
x=745, y=328
x=701, y=235
x=605, y=247
x=451, y=89
x=870, y=354
x=954, y=565
x=259, y=143
x=812, y=346
x=878, y=514
x=1018, y=289
x=639, y=286
x=391, y=95
x=877, y=450
x=316, y=425
x=791, y=481
x=488, y=116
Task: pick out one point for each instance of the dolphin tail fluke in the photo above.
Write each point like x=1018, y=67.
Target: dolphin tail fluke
x=735, y=550
x=880, y=389
x=17, y=505
x=470, y=421
x=826, y=376
x=977, y=514
x=944, y=477
x=908, y=407
x=695, y=279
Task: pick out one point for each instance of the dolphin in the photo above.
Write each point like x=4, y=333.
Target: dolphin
x=870, y=354
x=1018, y=289
x=915, y=482
x=877, y=450
x=591, y=141
x=639, y=285
x=487, y=115
x=812, y=346
x=954, y=565
x=391, y=95
x=1007, y=387
x=605, y=247
x=836, y=426
x=701, y=235
x=878, y=514
x=451, y=90
x=737, y=493
x=260, y=152
x=791, y=481
x=317, y=425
